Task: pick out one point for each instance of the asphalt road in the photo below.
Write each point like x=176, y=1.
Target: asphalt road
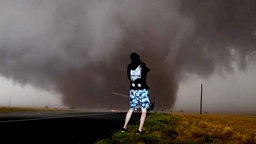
x=60, y=128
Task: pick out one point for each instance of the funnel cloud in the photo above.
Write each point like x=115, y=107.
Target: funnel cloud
x=80, y=49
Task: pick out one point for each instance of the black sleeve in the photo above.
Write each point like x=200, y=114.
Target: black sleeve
x=128, y=72
x=146, y=69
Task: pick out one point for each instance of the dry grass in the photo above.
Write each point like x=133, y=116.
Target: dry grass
x=23, y=109
x=181, y=128
x=219, y=129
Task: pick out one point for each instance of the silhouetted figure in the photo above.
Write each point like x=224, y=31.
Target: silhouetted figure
x=139, y=90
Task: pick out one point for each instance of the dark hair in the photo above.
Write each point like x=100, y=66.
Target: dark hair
x=134, y=57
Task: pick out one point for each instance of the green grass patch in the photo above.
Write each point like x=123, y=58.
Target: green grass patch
x=160, y=128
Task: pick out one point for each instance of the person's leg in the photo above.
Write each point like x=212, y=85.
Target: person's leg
x=144, y=95
x=127, y=118
x=142, y=118
x=133, y=104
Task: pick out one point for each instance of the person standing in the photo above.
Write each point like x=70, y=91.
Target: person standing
x=139, y=90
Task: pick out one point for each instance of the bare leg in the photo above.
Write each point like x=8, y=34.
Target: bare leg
x=142, y=118
x=127, y=118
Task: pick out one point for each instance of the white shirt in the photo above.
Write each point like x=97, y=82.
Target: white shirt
x=136, y=74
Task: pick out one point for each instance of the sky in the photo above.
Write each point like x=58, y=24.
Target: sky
x=232, y=93
x=17, y=95
x=74, y=54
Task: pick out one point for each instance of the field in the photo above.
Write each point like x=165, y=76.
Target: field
x=181, y=128
x=24, y=109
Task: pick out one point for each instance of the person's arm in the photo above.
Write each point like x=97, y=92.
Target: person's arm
x=128, y=72
x=145, y=70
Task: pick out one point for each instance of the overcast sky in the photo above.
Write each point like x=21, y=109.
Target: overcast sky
x=75, y=53
x=15, y=94
x=233, y=93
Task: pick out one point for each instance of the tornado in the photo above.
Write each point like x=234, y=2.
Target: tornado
x=81, y=49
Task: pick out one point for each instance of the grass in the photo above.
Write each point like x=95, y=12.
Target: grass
x=163, y=128
x=25, y=109
x=219, y=129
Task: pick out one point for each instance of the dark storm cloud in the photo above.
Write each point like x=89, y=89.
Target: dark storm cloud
x=222, y=29
x=81, y=48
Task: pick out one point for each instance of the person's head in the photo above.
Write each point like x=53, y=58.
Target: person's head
x=135, y=58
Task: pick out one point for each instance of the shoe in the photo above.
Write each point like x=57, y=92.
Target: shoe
x=124, y=130
x=140, y=132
